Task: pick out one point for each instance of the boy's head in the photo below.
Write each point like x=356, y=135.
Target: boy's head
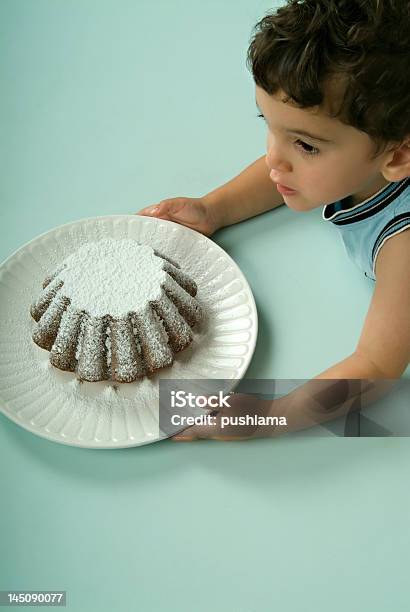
x=337, y=69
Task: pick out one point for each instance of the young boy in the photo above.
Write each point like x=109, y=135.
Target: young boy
x=333, y=86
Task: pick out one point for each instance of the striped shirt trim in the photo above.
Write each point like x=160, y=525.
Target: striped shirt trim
x=365, y=209
x=395, y=226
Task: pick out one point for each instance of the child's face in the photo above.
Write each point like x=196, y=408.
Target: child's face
x=319, y=172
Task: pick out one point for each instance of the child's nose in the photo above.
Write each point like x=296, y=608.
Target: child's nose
x=275, y=161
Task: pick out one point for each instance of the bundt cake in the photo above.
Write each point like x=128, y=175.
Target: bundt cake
x=115, y=309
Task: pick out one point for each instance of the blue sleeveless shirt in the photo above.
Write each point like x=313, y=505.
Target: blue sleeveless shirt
x=365, y=227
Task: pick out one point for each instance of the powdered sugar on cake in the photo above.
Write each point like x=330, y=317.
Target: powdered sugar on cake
x=112, y=276
x=115, y=309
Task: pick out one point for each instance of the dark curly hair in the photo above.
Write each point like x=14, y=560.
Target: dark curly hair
x=364, y=44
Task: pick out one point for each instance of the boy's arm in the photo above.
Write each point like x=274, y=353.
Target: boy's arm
x=383, y=350
x=250, y=193
x=380, y=358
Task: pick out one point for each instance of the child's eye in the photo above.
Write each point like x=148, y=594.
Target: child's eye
x=305, y=148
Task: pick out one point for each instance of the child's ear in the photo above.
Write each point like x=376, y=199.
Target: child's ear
x=397, y=164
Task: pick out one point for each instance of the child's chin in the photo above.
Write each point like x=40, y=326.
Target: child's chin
x=295, y=203
x=298, y=204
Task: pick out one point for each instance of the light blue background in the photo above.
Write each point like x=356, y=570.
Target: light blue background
x=108, y=106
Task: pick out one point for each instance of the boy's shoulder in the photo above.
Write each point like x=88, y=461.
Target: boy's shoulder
x=395, y=221
x=365, y=227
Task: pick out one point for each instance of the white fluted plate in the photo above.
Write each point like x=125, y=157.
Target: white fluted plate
x=55, y=404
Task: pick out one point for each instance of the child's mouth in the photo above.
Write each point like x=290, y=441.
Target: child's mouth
x=284, y=190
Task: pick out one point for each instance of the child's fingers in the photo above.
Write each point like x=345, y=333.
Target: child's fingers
x=149, y=210
x=205, y=432
x=187, y=435
x=157, y=210
x=182, y=438
x=165, y=208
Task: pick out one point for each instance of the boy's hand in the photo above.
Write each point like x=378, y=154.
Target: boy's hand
x=192, y=212
x=223, y=425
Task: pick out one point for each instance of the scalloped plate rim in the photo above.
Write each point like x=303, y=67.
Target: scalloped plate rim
x=75, y=442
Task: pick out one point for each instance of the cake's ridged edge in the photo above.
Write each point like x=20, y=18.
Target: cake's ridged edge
x=178, y=331
x=64, y=349
x=47, y=327
x=100, y=348
x=166, y=258
x=39, y=307
x=181, y=278
x=52, y=276
x=156, y=353
x=126, y=362
x=187, y=305
x=92, y=349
